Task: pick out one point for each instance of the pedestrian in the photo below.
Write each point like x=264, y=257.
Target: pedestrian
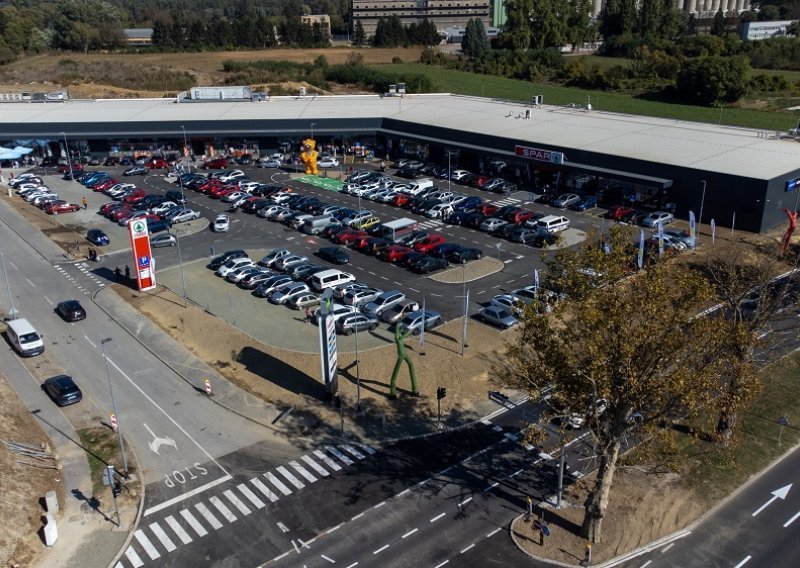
x=309, y=315
x=118, y=274
x=85, y=202
x=127, y=272
x=383, y=166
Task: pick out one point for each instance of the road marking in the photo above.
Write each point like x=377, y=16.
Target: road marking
x=315, y=466
x=90, y=342
x=437, y=517
x=288, y=475
x=178, y=530
x=259, y=504
x=284, y=528
x=328, y=461
x=340, y=455
x=194, y=523
x=162, y=536
x=466, y=549
x=381, y=549
x=303, y=471
x=48, y=300
x=331, y=560
x=670, y=545
x=790, y=521
x=353, y=565
x=648, y=563
x=146, y=544
x=220, y=506
x=134, y=558
x=186, y=495
x=357, y=516
x=442, y=564
x=494, y=532
x=244, y=509
x=329, y=531
x=31, y=283
x=743, y=562
x=403, y=492
x=278, y=483
x=492, y=486
x=465, y=501
x=264, y=489
x=284, y=555
x=355, y=452
x=409, y=533
x=379, y=505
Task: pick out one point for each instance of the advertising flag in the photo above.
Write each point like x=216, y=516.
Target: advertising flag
x=422, y=331
x=640, y=259
x=713, y=231
x=692, y=229
x=660, y=239
x=535, y=278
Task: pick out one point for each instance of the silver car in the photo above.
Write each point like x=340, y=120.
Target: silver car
x=384, y=302
x=498, y=316
x=163, y=240
x=414, y=321
x=282, y=294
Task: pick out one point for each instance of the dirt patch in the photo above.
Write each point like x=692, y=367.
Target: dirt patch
x=24, y=481
x=654, y=506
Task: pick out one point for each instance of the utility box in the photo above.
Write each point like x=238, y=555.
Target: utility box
x=51, y=502
x=50, y=530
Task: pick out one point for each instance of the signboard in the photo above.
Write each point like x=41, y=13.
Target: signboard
x=792, y=184
x=142, y=256
x=327, y=347
x=539, y=154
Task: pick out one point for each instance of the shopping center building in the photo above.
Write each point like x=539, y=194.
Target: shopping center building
x=727, y=172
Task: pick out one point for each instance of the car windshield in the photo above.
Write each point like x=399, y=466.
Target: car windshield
x=28, y=337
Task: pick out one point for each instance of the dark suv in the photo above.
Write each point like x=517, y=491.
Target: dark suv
x=218, y=261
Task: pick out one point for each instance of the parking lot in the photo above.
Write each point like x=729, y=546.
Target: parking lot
x=506, y=265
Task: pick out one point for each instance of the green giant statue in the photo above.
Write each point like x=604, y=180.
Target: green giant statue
x=399, y=337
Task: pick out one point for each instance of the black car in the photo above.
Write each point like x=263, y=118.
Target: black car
x=428, y=264
x=63, y=390
x=245, y=160
x=97, y=237
x=111, y=161
x=218, y=261
x=544, y=240
x=456, y=217
x=505, y=231
x=158, y=225
x=176, y=196
x=462, y=255
x=255, y=205
x=474, y=220
x=336, y=255
x=411, y=258
x=71, y=310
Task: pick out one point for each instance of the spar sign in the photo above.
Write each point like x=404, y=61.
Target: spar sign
x=539, y=154
x=142, y=257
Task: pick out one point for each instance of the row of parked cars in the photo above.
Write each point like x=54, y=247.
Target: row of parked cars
x=414, y=169
x=285, y=278
x=32, y=189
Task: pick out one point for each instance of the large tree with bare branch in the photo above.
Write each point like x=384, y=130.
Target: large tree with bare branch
x=627, y=337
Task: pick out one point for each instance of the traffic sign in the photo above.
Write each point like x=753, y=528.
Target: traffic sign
x=783, y=421
x=113, y=422
x=208, y=387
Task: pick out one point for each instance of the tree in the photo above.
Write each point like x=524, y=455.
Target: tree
x=713, y=80
x=627, y=353
x=579, y=23
x=389, y=32
x=475, y=44
x=517, y=31
x=549, y=19
x=718, y=24
x=359, y=35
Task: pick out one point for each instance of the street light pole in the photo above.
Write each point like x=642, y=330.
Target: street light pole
x=11, y=311
x=466, y=308
x=702, y=204
x=114, y=406
x=358, y=376
x=177, y=240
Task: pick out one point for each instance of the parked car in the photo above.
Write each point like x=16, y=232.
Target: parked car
x=497, y=316
x=427, y=264
x=414, y=322
x=565, y=200
x=97, y=237
x=268, y=286
x=356, y=322
x=428, y=243
x=328, y=163
x=303, y=300
x=383, y=302
x=163, y=240
x=232, y=265
x=63, y=208
x=136, y=171
x=70, y=310
x=281, y=295
x=273, y=257
x=361, y=296
x=62, y=390
x=269, y=163
x=222, y=224
x=336, y=255
x=183, y=215
x=399, y=310
x=462, y=255
x=585, y=203
x=657, y=218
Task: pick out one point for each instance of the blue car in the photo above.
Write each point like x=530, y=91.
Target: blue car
x=470, y=203
x=95, y=177
x=585, y=203
x=97, y=237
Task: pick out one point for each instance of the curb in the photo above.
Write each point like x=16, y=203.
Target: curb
x=139, y=513
x=516, y=542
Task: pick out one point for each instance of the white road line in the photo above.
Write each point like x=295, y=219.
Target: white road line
x=264, y=489
x=357, y=516
x=303, y=471
x=209, y=516
x=184, y=496
x=353, y=565
x=90, y=342
x=494, y=532
x=743, y=562
x=437, y=517
x=220, y=506
x=146, y=544
x=328, y=461
x=492, y=486
x=331, y=560
x=258, y=503
x=670, y=545
x=278, y=483
x=315, y=466
x=284, y=555
x=403, y=492
x=162, y=536
x=48, y=300
x=243, y=509
x=340, y=455
x=466, y=549
x=409, y=533
x=648, y=563
x=379, y=505
x=465, y=501
x=14, y=266
x=790, y=521
x=31, y=283
x=381, y=549
x=178, y=530
x=355, y=452
x=288, y=475
x=329, y=531
x=442, y=564
x=194, y=523
x=133, y=557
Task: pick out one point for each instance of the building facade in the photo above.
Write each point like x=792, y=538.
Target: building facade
x=443, y=13
x=696, y=6
x=753, y=31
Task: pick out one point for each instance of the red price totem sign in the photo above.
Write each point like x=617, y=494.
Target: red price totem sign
x=142, y=257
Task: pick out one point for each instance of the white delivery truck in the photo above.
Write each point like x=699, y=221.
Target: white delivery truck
x=393, y=230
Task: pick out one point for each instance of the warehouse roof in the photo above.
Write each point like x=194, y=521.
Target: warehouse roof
x=732, y=150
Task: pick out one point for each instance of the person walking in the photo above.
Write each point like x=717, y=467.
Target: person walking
x=309, y=315
x=127, y=272
x=85, y=202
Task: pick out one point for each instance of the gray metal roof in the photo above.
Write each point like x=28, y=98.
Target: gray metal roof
x=731, y=150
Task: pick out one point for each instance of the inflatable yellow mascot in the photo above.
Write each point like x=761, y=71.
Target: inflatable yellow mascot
x=309, y=156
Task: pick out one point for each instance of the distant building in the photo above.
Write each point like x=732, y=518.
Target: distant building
x=704, y=7
x=138, y=37
x=443, y=13
x=455, y=34
x=218, y=94
x=499, y=15
x=754, y=31
x=321, y=19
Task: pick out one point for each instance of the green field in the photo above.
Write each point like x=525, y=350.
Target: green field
x=445, y=80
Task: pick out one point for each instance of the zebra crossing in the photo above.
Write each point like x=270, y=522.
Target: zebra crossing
x=154, y=539
x=430, y=224
x=507, y=201
x=80, y=281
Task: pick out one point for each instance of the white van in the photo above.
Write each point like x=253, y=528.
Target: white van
x=419, y=185
x=24, y=338
x=550, y=224
x=330, y=278
x=315, y=225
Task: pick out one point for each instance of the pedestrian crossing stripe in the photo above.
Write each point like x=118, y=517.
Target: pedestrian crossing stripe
x=194, y=523
x=288, y=475
x=264, y=489
x=209, y=516
x=315, y=466
x=328, y=461
x=136, y=561
x=236, y=502
x=354, y=451
x=146, y=544
x=257, y=503
x=303, y=471
x=178, y=530
x=156, y=529
x=224, y=511
x=278, y=483
x=341, y=456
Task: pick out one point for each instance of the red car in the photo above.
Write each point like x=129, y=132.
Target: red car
x=620, y=211
x=108, y=184
x=64, y=168
x=157, y=164
x=62, y=208
x=218, y=164
x=401, y=199
x=349, y=236
x=395, y=253
x=220, y=191
x=209, y=185
x=427, y=244
x=488, y=209
x=106, y=208
x=120, y=213
x=521, y=216
x=361, y=242
x=135, y=196
x=479, y=181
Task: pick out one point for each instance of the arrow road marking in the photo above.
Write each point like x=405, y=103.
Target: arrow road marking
x=777, y=494
x=158, y=441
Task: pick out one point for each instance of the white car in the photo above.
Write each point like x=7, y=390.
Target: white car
x=265, y=212
x=164, y=207
x=234, y=197
x=657, y=218
x=328, y=163
x=183, y=215
x=337, y=311
x=228, y=177
x=232, y=265
x=285, y=263
x=222, y=224
x=439, y=211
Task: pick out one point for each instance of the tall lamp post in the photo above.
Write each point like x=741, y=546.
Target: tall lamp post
x=465, y=296
x=114, y=406
x=11, y=311
x=449, y=170
x=177, y=240
x=185, y=144
x=358, y=376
